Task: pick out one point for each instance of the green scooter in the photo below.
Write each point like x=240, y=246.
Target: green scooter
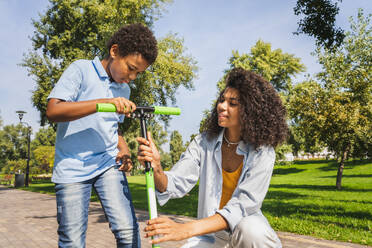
x=144, y=113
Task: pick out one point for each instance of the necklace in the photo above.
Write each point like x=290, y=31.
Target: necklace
x=228, y=142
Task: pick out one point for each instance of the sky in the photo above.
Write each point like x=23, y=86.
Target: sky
x=211, y=30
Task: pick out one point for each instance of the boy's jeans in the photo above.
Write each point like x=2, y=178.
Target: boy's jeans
x=73, y=204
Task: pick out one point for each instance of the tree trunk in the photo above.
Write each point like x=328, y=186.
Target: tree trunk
x=341, y=169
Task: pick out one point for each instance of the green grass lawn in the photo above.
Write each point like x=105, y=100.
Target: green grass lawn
x=302, y=199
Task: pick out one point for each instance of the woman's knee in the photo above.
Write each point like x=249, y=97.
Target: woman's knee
x=254, y=231
x=253, y=227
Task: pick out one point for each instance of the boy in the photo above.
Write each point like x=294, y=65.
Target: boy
x=90, y=151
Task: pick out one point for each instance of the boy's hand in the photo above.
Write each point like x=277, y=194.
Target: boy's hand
x=123, y=105
x=126, y=162
x=147, y=151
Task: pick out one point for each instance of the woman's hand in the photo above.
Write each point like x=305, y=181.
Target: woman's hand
x=167, y=230
x=147, y=151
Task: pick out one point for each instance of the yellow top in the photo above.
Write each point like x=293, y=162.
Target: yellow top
x=230, y=180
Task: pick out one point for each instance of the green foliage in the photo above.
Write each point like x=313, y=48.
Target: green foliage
x=43, y=159
x=206, y=114
x=319, y=21
x=13, y=149
x=71, y=30
x=295, y=140
x=305, y=116
x=13, y=142
x=75, y=29
x=302, y=199
x=281, y=150
x=46, y=136
x=166, y=161
x=273, y=65
x=172, y=69
x=348, y=69
x=14, y=166
x=176, y=146
x=338, y=113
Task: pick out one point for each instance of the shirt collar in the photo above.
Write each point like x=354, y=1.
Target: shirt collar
x=219, y=139
x=242, y=147
x=99, y=68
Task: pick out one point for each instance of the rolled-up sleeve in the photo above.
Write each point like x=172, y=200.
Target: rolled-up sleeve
x=251, y=191
x=68, y=86
x=184, y=174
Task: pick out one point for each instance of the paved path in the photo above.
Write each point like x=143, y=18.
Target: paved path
x=28, y=220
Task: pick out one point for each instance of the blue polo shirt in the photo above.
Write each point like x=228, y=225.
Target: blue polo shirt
x=88, y=146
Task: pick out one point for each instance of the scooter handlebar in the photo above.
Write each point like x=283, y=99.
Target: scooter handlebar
x=159, y=110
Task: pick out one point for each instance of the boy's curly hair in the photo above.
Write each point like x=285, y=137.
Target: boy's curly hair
x=135, y=38
x=262, y=114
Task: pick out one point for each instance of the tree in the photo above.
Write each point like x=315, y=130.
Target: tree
x=13, y=143
x=14, y=166
x=166, y=160
x=281, y=151
x=2, y=160
x=43, y=150
x=338, y=112
x=71, y=30
x=273, y=65
x=319, y=21
x=176, y=146
x=305, y=118
x=300, y=142
x=46, y=136
x=43, y=159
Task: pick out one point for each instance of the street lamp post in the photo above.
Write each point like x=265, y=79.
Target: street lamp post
x=20, y=115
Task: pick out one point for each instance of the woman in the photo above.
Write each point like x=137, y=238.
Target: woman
x=233, y=161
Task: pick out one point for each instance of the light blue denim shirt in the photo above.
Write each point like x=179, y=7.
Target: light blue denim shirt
x=88, y=146
x=202, y=161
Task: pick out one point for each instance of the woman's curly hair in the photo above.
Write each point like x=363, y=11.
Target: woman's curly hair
x=262, y=114
x=135, y=38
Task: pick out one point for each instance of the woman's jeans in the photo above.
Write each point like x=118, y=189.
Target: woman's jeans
x=113, y=192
